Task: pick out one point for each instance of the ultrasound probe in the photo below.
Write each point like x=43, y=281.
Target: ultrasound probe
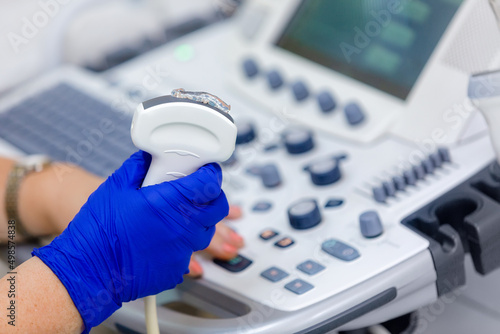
x=182, y=132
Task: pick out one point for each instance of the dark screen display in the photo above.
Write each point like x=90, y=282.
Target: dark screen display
x=383, y=43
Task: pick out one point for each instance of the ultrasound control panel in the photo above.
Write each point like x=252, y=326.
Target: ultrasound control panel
x=332, y=155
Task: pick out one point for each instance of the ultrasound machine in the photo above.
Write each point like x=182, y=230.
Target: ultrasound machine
x=366, y=174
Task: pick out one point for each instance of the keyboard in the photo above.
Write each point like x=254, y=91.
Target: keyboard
x=71, y=126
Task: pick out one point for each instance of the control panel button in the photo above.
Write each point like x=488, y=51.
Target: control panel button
x=250, y=67
x=399, y=182
x=428, y=166
x=326, y=102
x=245, y=132
x=370, y=224
x=284, y=243
x=389, y=188
x=334, y=202
x=324, y=171
x=274, y=274
x=339, y=250
x=410, y=177
x=379, y=194
x=419, y=172
x=436, y=159
x=300, y=90
x=268, y=234
x=235, y=265
x=445, y=154
x=354, y=114
x=275, y=80
x=310, y=267
x=269, y=174
x=299, y=286
x=262, y=206
x=298, y=140
x=304, y=214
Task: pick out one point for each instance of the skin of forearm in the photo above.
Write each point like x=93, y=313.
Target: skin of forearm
x=48, y=200
x=41, y=302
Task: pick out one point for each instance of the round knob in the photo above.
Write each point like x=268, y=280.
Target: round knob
x=246, y=132
x=304, y=214
x=370, y=224
x=298, y=140
x=324, y=171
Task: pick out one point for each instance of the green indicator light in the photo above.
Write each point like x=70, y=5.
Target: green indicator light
x=184, y=52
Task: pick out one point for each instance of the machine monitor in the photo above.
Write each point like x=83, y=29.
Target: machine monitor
x=385, y=46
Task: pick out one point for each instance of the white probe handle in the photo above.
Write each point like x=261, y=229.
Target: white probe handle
x=181, y=137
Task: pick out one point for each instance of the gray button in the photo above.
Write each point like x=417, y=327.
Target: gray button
x=270, y=176
x=298, y=286
x=304, y=214
x=340, y=250
x=300, y=90
x=428, y=166
x=379, y=194
x=275, y=80
x=250, y=67
x=399, y=182
x=262, y=206
x=274, y=274
x=370, y=224
x=298, y=140
x=310, y=267
x=436, y=159
x=419, y=172
x=410, y=177
x=445, y=154
x=354, y=114
x=390, y=189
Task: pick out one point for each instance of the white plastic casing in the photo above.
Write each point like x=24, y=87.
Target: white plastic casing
x=181, y=137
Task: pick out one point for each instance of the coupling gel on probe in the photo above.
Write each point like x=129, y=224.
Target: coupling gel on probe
x=182, y=132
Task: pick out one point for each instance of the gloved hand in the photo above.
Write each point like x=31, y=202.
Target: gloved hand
x=129, y=242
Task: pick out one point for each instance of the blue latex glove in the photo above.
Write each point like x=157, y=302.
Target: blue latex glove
x=129, y=242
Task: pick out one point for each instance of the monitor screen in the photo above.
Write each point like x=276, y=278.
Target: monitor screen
x=383, y=43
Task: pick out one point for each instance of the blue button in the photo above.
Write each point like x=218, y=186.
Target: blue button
x=354, y=114
x=298, y=286
x=300, y=91
x=284, y=243
x=298, y=140
x=270, y=176
x=399, y=182
x=304, y=214
x=235, y=265
x=262, y=206
x=324, y=171
x=428, y=166
x=275, y=80
x=245, y=132
x=274, y=274
x=340, y=250
x=334, y=202
x=310, y=267
x=370, y=224
x=390, y=189
x=250, y=67
x=268, y=234
x=436, y=159
x=379, y=194
x=445, y=154
x=419, y=172
x=410, y=177
x=326, y=101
